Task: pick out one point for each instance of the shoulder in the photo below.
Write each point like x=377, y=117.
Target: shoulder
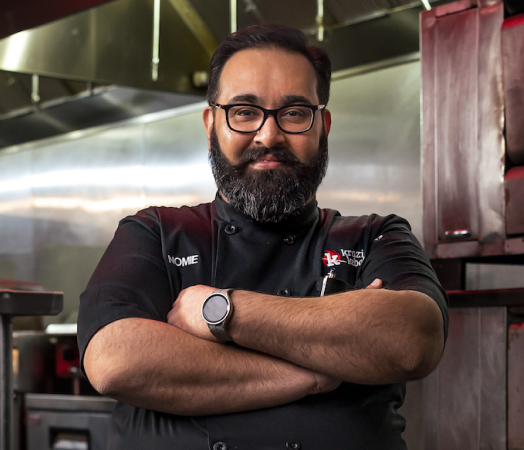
x=372, y=224
x=155, y=218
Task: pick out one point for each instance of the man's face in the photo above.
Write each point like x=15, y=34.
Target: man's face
x=268, y=161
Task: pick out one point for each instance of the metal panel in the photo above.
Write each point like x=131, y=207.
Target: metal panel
x=454, y=7
x=514, y=186
x=56, y=402
x=44, y=429
x=489, y=173
x=463, y=143
x=465, y=397
x=428, y=157
x=109, y=44
x=176, y=168
x=515, y=387
x=23, y=14
x=513, y=59
x=456, y=70
x=374, y=145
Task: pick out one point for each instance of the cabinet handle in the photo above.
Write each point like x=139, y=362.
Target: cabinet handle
x=451, y=234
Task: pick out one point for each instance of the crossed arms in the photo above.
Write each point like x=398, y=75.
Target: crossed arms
x=292, y=347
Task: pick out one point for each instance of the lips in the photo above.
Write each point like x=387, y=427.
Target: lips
x=266, y=162
x=267, y=158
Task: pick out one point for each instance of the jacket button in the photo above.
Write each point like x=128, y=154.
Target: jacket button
x=220, y=446
x=284, y=293
x=290, y=239
x=293, y=445
x=230, y=229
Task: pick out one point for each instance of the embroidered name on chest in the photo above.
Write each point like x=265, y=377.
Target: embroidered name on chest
x=183, y=261
x=351, y=257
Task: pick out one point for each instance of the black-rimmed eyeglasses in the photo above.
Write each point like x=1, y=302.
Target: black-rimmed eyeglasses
x=247, y=118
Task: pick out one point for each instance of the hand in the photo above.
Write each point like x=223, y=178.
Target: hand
x=325, y=383
x=375, y=284
x=187, y=312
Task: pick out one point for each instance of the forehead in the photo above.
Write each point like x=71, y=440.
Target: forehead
x=269, y=75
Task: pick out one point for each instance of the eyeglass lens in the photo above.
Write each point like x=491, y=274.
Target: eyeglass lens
x=250, y=118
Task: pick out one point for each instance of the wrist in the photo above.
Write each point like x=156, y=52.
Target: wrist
x=217, y=310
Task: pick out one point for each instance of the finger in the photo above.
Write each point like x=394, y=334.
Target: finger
x=376, y=284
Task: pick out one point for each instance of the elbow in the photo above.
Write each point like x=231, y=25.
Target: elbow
x=105, y=370
x=424, y=342
x=422, y=357
x=105, y=377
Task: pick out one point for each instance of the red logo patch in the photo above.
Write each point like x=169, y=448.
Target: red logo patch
x=331, y=258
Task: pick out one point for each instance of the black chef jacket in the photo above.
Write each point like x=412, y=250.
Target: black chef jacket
x=160, y=251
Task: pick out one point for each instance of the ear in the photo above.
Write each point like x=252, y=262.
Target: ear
x=209, y=119
x=327, y=121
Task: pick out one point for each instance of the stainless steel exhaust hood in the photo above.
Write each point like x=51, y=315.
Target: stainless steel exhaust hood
x=69, y=74
x=110, y=44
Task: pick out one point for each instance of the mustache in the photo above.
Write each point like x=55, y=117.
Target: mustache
x=282, y=154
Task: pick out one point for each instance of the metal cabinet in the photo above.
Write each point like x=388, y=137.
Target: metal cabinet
x=68, y=422
x=462, y=129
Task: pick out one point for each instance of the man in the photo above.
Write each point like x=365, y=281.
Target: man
x=266, y=362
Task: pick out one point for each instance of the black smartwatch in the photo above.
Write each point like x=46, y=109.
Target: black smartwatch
x=217, y=310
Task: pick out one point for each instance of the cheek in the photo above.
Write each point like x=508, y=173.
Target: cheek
x=233, y=144
x=305, y=148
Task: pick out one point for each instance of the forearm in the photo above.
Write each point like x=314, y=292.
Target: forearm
x=156, y=366
x=365, y=336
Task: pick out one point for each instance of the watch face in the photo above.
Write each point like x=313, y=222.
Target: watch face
x=215, y=308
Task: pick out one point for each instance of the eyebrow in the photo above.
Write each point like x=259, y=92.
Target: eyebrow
x=256, y=100
x=245, y=98
x=296, y=99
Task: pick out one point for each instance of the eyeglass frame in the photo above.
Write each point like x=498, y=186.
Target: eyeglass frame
x=267, y=113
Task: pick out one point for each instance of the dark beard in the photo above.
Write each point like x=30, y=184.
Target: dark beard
x=273, y=194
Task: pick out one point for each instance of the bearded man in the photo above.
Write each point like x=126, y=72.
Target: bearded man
x=244, y=323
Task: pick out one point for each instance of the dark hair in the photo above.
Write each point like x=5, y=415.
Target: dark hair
x=270, y=36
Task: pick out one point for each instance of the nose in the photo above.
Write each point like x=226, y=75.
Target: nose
x=270, y=135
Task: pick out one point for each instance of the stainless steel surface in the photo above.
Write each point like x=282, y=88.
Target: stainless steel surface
x=33, y=361
x=514, y=187
x=55, y=402
x=462, y=139
x=456, y=131
x=465, y=397
x=454, y=234
x=454, y=7
x=515, y=386
x=61, y=198
x=109, y=44
x=74, y=55
x=482, y=276
x=513, y=61
x=491, y=142
x=155, y=59
x=30, y=303
x=428, y=156
x=374, y=145
x=195, y=23
x=233, y=20
x=99, y=106
x=320, y=20
x=56, y=421
x=514, y=246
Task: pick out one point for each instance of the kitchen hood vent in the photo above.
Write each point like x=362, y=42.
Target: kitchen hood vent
x=54, y=76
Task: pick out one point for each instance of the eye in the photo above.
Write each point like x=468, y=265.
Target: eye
x=296, y=114
x=293, y=112
x=244, y=113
